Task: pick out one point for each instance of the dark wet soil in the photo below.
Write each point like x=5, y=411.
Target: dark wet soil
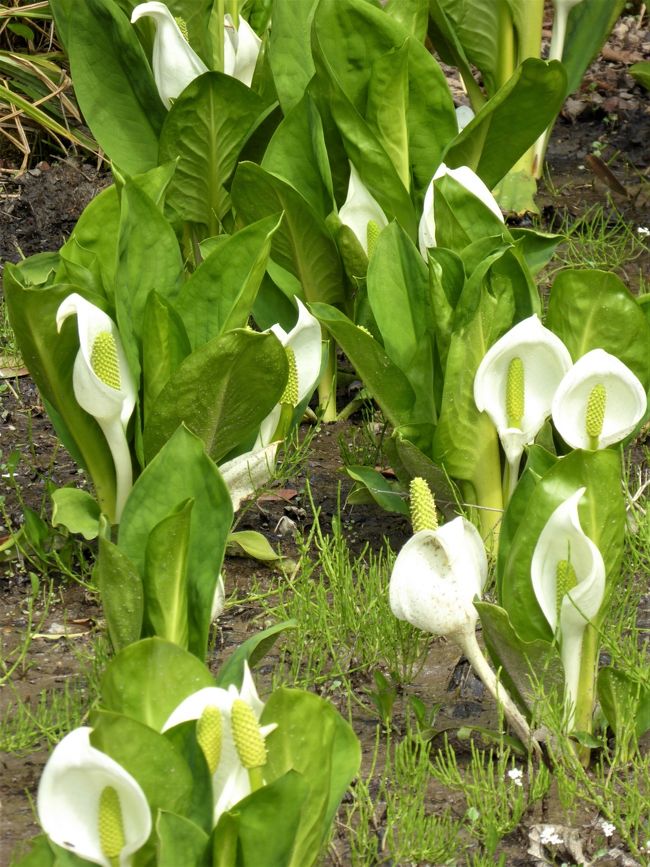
x=607, y=123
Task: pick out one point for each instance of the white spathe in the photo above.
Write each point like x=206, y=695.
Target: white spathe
x=247, y=473
x=625, y=401
x=545, y=361
x=175, y=63
x=472, y=183
x=436, y=577
x=111, y=407
x=360, y=208
x=305, y=340
x=241, y=48
x=563, y=539
x=230, y=781
x=69, y=794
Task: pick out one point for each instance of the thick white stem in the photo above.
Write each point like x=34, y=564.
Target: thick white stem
x=470, y=647
x=117, y=443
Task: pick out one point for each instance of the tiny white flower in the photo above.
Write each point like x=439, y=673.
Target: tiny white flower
x=549, y=836
x=644, y=231
x=516, y=775
x=607, y=828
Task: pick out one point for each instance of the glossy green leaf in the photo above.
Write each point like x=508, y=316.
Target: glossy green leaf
x=117, y=94
x=387, y=107
x=181, y=842
x=410, y=462
x=385, y=381
x=477, y=28
x=379, y=489
x=220, y=294
x=147, y=680
x=252, y=544
x=152, y=759
x=602, y=517
x=120, y=587
x=412, y=15
x=180, y=471
x=205, y=130
x=77, y=511
x=165, y=577
x=221, y=392
x=39, y=855
x=266, y=824
x=290, y=50
x=591, y=309
x=588, y=27
x=149, y=259
x=302, y=244
x=510, y=122
x=164, y=346
x=251, y=651
x=521, y=664
x=313, y=739
x=200, y=809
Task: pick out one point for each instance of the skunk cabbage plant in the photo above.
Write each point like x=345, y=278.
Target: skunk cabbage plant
x=103, y=384
x=88, y=804
x=598, y=402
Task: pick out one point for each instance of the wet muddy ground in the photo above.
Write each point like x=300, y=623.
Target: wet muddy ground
x=599, y=156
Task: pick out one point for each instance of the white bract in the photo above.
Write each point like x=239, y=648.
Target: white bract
x=436, y=577
x=175, y=63
x=515, y=383
x=472, y=183
x=241, y=48
x=568, y=577
x=73, y=809
x=598, y=402
x=103, y=384
x=305, y=341
x=230, y=779
x=361, y=212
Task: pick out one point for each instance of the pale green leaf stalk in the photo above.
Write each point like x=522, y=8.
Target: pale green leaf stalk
x=249, y=741
x=423, y=507
x=111, y=825
x=327, y=385
x=216, y=28
x=209, y=736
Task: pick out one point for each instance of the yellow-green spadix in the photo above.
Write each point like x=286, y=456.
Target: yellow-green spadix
x=598, y=402
x=230, y=779
x=88, y=804
x=568, y=608
x=515, y=383
x=102, y=383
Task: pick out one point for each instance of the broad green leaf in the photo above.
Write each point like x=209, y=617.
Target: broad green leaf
x=410, y=462
x=520, y=663
x=266, y=824
x=220, y=294
x=349, y=36
x=149, y=259
x=602, y=517
x=120, y=587
x=180, y=842
x=412, y=15
x=641, y=72
x=200, y=809
x=302, y=244
x=181, y=470
x=477, y=27
x=77, y=511
x=591, y=309
x=147, y=680
x=39, y=855
x=113, y=84
x=251, y=651
x=385, y=381
x=205, y=130
x=588, y=27
x=379, y=489
x=221, y=392
x=152, y=759
x=445, y=40
x=510, y=122
x=290, y=50
x=50, y=358
x=164, y=346
x=297, y=153
x=252, y=544
x=165, y=577
x=313, y=739
x=387, y=107
x=95, y=236
x=537, y=247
